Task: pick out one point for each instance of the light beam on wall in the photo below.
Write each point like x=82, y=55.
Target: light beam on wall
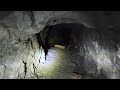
x=51, y=64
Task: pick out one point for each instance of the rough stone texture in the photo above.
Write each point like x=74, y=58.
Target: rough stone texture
x=21, y=25
x=16, y=51
x=17, y=63
x=20, y=53
x=97, y=56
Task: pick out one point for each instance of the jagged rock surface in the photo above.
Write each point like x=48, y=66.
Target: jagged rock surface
x=16, y=27
x=20, y=53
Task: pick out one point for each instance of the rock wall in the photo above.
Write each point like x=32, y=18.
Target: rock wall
x=96, y=56
x=20, y=53
x=19, y=50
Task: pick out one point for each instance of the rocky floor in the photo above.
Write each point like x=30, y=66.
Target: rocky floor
x=58, y=65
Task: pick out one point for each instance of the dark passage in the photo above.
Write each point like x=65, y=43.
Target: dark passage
x=61, y=34
x=68, y=35
x=83, y=46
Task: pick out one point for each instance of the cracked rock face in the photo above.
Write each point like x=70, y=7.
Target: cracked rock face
x=20, y=52
x=16, y=54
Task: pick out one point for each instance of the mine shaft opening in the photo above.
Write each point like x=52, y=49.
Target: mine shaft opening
x=62, y=36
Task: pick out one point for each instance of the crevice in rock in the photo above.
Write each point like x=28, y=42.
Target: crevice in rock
x=25, y=69
x=4, y=71
x=35, y=73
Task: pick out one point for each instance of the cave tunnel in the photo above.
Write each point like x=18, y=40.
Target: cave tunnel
x=61, y=34
x=59, y=45
x=62, y=37
x=69, y=39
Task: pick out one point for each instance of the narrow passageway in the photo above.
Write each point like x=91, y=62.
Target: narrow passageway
x=76, y=52
x=59, y=65
x=61, y=42
x=59, y=45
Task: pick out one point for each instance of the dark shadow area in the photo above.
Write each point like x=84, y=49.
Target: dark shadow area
x=62, y=34
x=81, y=45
